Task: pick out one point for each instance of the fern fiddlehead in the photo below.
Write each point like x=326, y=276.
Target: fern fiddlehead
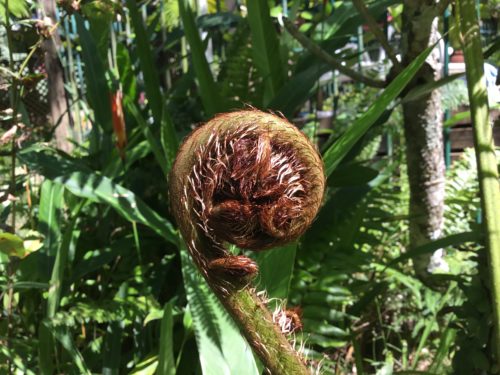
x=253, y=180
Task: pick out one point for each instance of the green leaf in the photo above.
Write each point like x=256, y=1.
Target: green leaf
x=333, y=156
x=153, y=142
x=209, y=93
x=33, y=241
x=12, y=245
x=265, y=47
x=166, y=365
x=17, y=8
x=112, y=345
x=422, y=90
x=126, y=72
x=63, y=336
x=352, y=174
x=451, y=240
x=222, y=349
x=169, y=141
x=84, y=183
x=45, y=349
x=154, y=314
x=20, y=285
x=297, y=90
x=457, y=117
x=99, y=15
x=146, y=62
x=49, y=215
x=146, y=367
x=275, y=270
x=56, y=280
x=95, y=78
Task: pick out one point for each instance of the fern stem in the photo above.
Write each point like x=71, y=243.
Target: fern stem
x=253, y=180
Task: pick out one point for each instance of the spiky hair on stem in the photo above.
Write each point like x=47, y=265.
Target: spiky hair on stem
x=251, y=179
x=248, y=178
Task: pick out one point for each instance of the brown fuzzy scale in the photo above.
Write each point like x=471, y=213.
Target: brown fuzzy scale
x=254, y=180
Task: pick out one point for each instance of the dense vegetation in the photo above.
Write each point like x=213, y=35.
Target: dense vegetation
x=95, y=98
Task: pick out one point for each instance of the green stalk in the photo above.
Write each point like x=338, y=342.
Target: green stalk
x=484, y=147
x=12, y=187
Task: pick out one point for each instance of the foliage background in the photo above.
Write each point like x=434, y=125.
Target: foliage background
x=95, y=278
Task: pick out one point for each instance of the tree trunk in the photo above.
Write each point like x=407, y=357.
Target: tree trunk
x=59, y=114
x=423, y=126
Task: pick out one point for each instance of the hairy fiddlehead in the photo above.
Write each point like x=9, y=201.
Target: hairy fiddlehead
x=253, y=180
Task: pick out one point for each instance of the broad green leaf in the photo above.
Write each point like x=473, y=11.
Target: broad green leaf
x=49, y=215
x=265, y=47
x=221, y=347
x=12, y=245
x=334, y=155
x=84, y=183
x=166, y=364
x=212, y=102
x=352, y=174
x=33, y=241
x=17, y=8
x=451, y=240
x=275, y=270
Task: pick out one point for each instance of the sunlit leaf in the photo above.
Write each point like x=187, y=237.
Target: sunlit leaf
x=85, y=183
x=12, y=245
x=334, y=155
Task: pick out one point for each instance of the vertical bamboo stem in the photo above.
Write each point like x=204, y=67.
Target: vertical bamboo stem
x=484, y=147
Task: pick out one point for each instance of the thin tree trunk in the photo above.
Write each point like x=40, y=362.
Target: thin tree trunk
x=57, y=96
x=423, y=132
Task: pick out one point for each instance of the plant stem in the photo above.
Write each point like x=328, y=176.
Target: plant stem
x=13, y=104
x=377, y=32
x=229, y=275
x=266, y=339
x=484, y=147
x=12, y=187
x=329, y=59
